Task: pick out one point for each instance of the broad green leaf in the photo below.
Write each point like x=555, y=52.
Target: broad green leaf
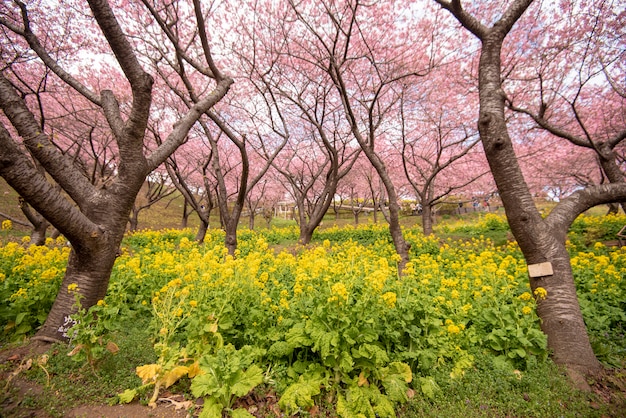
x=280, y=349
x=248, y=381
x=490, y=316
x=358, y=401
x=395, y=388
x=384, y=407
x=297, y=337
x=299, y=395
x=211, y=409
x=346, y=364
x=495, y=343
x=241, y=413
x=127, y=396
x=402, y=369
x=205, y=384
x=19, y=318
x=429, y=387
x=343, y=410
x=520, y=352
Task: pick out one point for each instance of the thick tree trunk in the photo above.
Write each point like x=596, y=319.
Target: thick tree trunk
x=90, y=270
x=231, y=235
x=613, y=209
x=559, y=312
x=306, y=234
x=608, y=162
x=202, y=229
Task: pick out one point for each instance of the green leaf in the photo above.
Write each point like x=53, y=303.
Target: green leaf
x=429, y=387
x=384, y=407
x=241, y=413
x=248, y=381
x=495, y=342
x=395, y=388
x=299, y=395
x=212, y=409
x=280, y=349
x=205, y=384
x=401, y=369
x=343, y=410
x=297, y=337
x=520, y=352
x=491, y=317
x=127, y=396
x=427, y=359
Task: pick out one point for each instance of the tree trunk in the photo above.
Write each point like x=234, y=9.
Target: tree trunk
x=90, y=270
x=560, y=313
x=613, y=209
x=202, y=230
x=133, y=220
x=608, y=162
x=306, y=234
x=185, y=218
x=38, y=234
x=427, y=220
x=231, y=236
x=356, y=217
x=39, y=223
x=251, y=220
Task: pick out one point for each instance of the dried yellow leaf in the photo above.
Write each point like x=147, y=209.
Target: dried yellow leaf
x=173, y=375
x=194, y=370
x=363, y=380
x=148, y=372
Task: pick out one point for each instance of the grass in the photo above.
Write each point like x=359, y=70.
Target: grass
x=72, y=383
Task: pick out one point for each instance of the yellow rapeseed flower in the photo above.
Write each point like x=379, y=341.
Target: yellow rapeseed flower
x=390, y=299
x=72, y=287
x=453, y=329
x=540, y=293
x=340, y=291
x=526, y=296
x=526, y=310
x=7, y=225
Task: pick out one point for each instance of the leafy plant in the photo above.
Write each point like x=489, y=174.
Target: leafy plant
x=225, y=376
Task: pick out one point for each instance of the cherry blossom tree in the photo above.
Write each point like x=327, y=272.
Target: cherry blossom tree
x=92, y=217
x=542, y=240
x=363, y=49
x=569, y=87
x=436, y=141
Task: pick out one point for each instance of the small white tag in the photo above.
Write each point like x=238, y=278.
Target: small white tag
x=540, y=270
